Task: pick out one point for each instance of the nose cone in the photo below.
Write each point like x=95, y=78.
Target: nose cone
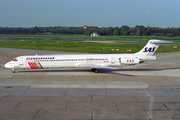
x=7, y=65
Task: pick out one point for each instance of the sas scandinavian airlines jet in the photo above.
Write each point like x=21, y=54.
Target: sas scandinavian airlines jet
x=93, y=61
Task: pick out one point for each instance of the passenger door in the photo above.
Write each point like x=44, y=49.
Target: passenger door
x=20, y=61
x=112, y=60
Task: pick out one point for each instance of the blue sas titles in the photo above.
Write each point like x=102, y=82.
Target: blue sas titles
x=149, y=49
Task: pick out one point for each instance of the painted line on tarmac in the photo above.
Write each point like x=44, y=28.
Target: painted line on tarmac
x=90, y=86
x=162, y=63
x=168, y=56
x=139, y=90
x=82, y=85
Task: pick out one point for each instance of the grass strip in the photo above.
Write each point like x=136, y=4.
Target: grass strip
x=84, y=47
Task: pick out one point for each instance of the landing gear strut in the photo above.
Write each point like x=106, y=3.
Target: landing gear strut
x=13, y=71
x=95, y=70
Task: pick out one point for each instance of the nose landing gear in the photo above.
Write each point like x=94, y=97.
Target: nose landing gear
x=13, y=71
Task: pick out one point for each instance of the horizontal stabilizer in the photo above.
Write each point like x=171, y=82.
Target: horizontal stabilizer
x=160, y=42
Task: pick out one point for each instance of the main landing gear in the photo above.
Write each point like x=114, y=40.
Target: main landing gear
x=95, y=70
x=13, y=71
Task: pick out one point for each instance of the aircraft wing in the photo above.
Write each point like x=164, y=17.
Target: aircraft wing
x=96, y=66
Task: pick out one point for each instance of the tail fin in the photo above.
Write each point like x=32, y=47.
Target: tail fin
x=151, y=47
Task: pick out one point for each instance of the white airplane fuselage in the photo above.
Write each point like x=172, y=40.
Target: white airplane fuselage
x=94, y=61
x=60, y=61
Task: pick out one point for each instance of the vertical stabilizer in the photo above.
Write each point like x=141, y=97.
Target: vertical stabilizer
x=151, y=47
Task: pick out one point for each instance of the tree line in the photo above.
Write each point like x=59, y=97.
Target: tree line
x=124, y=30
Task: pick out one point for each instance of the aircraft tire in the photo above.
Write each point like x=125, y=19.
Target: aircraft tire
x=13, y=71
x=93, y=69
x=96, y=71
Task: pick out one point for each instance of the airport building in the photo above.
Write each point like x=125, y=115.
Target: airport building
x=94, y=34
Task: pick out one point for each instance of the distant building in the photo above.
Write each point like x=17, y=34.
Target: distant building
x=94, y=34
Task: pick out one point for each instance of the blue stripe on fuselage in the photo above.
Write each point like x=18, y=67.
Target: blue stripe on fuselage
x=40, y=65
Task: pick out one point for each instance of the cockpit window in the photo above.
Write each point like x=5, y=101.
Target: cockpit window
x=15, y=59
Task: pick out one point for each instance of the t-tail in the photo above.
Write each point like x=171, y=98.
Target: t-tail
x=151, y=47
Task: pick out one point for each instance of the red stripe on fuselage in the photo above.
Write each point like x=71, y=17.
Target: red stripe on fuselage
x=30, y=65
x=36, y=65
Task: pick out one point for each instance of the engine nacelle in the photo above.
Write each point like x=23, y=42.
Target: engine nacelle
x=130, y=61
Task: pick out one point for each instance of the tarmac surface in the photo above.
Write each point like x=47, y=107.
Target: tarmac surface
x=149, y=91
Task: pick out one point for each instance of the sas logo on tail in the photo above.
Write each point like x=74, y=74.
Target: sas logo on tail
x=149, y=49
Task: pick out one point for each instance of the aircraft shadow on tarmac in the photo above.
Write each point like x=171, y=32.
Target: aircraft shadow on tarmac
x=105, y=71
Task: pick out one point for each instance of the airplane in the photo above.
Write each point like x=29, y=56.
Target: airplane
x=93, y=61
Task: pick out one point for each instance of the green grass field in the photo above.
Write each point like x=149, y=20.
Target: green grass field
x=86, y=47
x=114, y=38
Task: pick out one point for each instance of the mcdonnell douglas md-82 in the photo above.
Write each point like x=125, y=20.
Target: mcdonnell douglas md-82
x=93, y=61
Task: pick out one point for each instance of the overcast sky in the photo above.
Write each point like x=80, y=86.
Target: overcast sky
x=101, y=13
